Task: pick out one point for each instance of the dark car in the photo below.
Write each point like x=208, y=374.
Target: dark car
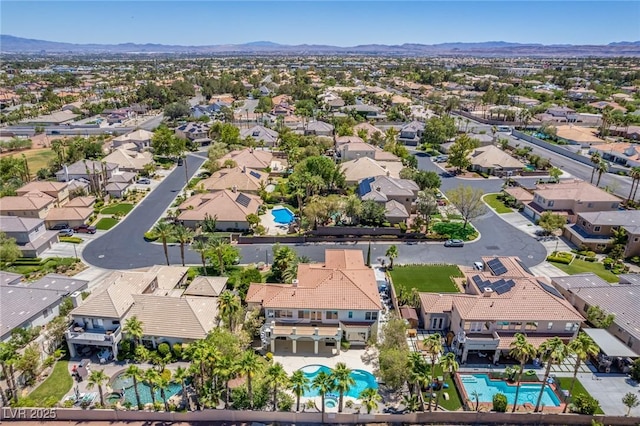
x=180, y=160
x=454, y=243
x=85, y=229
x=59, y=226
x=65, y=232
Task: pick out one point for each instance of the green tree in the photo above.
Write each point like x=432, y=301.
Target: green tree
x=299, y=385
x=181, y=376
x=460, y=150
x=133, y=329
x=249, y=365
x=438, y=130
x=585, y=404
x=9, y=250
x=8, y=359
x=596, y=159
x=426, y=206
x=219, y=247
x=184, y=236
x=353, y=208
x=151, y=378
x=163, y=384
x=165, y=143
x=468, y=201
x=370, y=398
x=499, y=403
x=200, y=246
x=344, y=381
x=582, y=347
x=372, y=214
x=599, y=318
x=449, y=366
x=277, y=378
x=433, y=347
x=426, y=179
x=419, y=376
x=177, y=110
x=136, y=374
x=522, y=351
x=630, y=400
x=603, y=167
x=555, y=174
x=552, y=351
x=391, y=253
x=228, y=306
x=283, y=257
x=324, y=383
x=164, y=231
x=98, y=378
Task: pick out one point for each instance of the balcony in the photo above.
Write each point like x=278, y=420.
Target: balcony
x=93, y=336
x=585, y=237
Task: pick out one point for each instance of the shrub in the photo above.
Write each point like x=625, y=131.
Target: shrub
x=584, y=404
x=345, y=345
x=177, y=351
x=558, y=260
x=269, y=356
x=164, y=349
x=500, y=403
x=48, y=361
x=590, y=259
x=150, y=236
x=285, y=402
x=635, y=370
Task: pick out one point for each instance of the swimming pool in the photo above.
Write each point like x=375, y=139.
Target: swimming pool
x=363, y=380
x=487, y=388
x=282, y=215
x=126, y=383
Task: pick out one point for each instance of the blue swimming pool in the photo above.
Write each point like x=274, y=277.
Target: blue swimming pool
x=282, y=215
x=487, y=388
x=126, y=383
x=363, y=380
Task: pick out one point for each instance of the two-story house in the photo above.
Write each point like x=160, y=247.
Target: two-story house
x=398, y=195
x=595, y=230
x=140, y=139
x=501, y=300
x=328, y=302
x=195, y=132
x=570, y=197
x=94, y=172
x=411, y=133
x=31, y=235
x=34, y=205
x=58, y=190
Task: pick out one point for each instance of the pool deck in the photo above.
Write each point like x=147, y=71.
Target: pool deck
x=270, y=225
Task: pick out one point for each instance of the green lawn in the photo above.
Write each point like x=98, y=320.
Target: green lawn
x=565, y=383
x=497, y=205
x=426, y=278
x=55, y=387
x=39, y=159
x=106, y=223
x=117, y=208
x=579, y=266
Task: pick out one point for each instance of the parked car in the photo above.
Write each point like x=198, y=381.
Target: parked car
x=59, y=226
x=454, y=243
x=144, y=181
x=180, y=161
x=441, y=158
x=478, y=266
x=85, y=229
x=66, y=232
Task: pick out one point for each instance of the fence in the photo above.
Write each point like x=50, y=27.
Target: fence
x=438, y=417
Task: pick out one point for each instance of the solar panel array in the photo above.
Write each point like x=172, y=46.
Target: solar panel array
x=255, y=174
x=550, y=289
x=496, y=266
x=499, y=287
x=243, y=200
x=364, y=187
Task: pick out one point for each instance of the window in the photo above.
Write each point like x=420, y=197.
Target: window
x=596, y=229
x=303, y=314
x=371, y=316
x=45, y=313
x=551, y=203
x=316, y=315
x=571, y=326
x=350, y=314
x=614, y=205
x=549, y=325
x=515, y=325
x=586, y=307
x=475, y=327
x=531, y=326
x=502, y=325
x=332, y=315
x=284, y=314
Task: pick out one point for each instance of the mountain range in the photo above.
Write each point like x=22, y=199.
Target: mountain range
x=19, y=45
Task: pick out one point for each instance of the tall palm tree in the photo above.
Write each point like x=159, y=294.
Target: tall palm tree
x=219, y=246
x=181, y=375
x=164, y=231
x=163, y=384
x=370, y=398
x=324, y=384
x=151, y=377
x=133, y=329
x=249, y=365
x=341, y=375
x=228, y=306
x=227, y=370
x=553, y=351
x=136, y=374
x=299, y=385
x=449, y=366
x=595, y=160
x=582, y=346
x=278, y=378
x=603, y=167
x=8, y=358
x=635, y=180
x=98, y=378
x=201, y=247
x=418, y=376
x=433, y=346
x=184, y=236
x=391, y=253
x=523, y=351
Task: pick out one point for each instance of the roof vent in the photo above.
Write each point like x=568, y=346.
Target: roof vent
x=487, y=292
x=295, y=282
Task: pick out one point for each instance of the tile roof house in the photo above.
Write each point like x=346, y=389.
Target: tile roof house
x=570, y=197
x=140, y=138
x=154, y=297
x=353, y=150
x=250, y=158
x=31, y=235
x=239, y=178
x=595, y=230
x=262, y=134
x=129, y=161
x=194, y=131
x=32, y=204
x=57, y=190
x=411, y=133
x=581, y=135
x=384, y=189
x=369, y=128
x=329, y=301
x=500, y=301
x=365, y=167
x=72, y=216
x=318, y=128
x=228, y=207
x=492, y=160
x=622, y=300
x=627, y=154
x=87, y=170
x=27, y=305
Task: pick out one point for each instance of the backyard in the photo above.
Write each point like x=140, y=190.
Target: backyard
x=426, y=278
x=579, y=266
x=54, y=388
x=565, y=383
x=496, y=204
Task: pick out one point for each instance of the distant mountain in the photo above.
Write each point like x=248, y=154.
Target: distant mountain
x=12, y=44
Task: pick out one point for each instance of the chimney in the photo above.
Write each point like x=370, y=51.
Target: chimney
x=295, y=282
x=487, y=292
x=378, y=188
x=388, y=173
x=234, y=189
x=244, y=169
x=76, y=298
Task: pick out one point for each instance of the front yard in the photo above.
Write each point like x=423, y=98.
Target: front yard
x=426, y=278
x=579, y=266
x=496, y=204
x=106, y=223
x=121, y=208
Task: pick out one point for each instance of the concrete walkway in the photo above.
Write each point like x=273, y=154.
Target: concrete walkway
x=609, y=389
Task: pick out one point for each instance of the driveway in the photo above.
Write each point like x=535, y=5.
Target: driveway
x=124, y=247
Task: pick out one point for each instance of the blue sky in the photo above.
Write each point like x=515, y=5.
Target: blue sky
x=322, y=22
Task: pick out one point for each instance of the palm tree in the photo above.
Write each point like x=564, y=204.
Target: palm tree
x=228, y=306
x=582, y=346
x=248, y=365
x=433, y=346
x=635, y=180
x=595, y=160
x=343, y=381
x=8, y=358
x=523, y=351
x=184, y=235
x=219, y=246
x=201, y=247
x=391, y=253
x=603, y=167
x=135, y=373
x=476, y=398
x=324, y=384
x=226, y=369
x=552, y=351
x=151, y=377
x=299, y=385
x=163, y=384
x=418, y=376
x=164, y=231
x=449, y=366
x=181, y=375
x=133, y=329
x=370, y=398
x=277, y=377
x=97, y=378
x=411, y=403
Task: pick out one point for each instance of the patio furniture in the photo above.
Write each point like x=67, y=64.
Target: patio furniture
x=412, y=332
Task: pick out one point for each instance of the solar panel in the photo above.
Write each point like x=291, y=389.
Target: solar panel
x=496, y=266
x=255, y=174
x=551, y=290
x=243, y=200
x=365, y=186
x=478, y=281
